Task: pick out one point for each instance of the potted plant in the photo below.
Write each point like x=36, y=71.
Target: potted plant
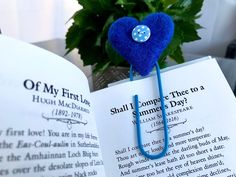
x=88, y=32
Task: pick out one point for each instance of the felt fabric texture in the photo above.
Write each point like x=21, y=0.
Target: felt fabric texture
x=142, y=56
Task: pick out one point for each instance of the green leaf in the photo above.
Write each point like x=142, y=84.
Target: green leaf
x=84, y=18
x=100, y=67
x=92, y=5
x=107, y=4
x=89, y=51
x=128, y=6
x=107, y=24
x=175, y=42
x=73, y=37
x=188, y=7
x=177, y=55
x=97, y=6
x=109, y=21
x=162, y=64
x=188, y=30
x=197, y=26
x=92, y=56
x=98, y=40
x=121, y=2
x=87, y=4
x=140, y=16
x=149, y=3
x=113, y=55
x=194, y=8
x=167, y=3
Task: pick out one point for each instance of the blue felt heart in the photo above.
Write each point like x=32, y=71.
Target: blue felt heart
x=141, y=55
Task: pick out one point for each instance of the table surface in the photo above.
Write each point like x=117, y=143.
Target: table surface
x=57, y=46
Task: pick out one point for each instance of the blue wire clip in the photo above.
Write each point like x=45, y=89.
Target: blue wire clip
x=138, y=127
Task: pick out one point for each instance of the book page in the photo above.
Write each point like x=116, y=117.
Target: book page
x=200, y=109
x=47, y=128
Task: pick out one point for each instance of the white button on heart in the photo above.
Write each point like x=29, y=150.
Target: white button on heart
x=141, y=33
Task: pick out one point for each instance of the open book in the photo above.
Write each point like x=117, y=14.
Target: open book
x=52, y=126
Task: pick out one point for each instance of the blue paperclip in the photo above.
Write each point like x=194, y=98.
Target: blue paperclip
x=138, y=127
x=141, y=44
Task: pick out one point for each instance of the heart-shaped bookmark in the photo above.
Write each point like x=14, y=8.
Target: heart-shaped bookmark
x=141, y=44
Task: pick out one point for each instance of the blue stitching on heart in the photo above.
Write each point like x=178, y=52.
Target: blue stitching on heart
x=141, y=55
